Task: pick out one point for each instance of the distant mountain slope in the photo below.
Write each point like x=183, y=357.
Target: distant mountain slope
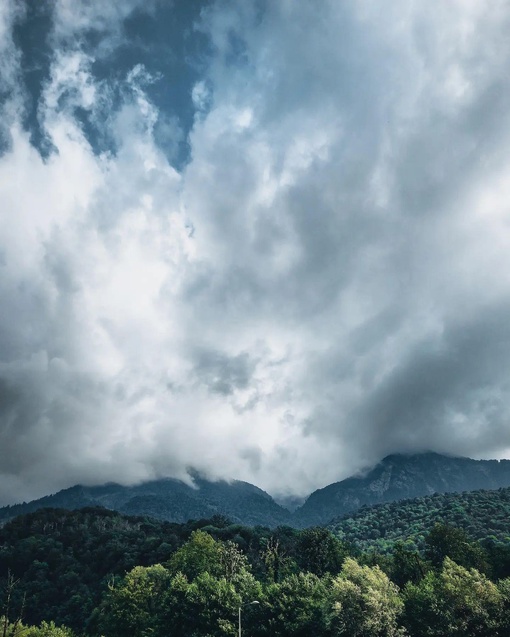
x=168, y=499
x=481, y=514
x=399, y=477
x=61, y=559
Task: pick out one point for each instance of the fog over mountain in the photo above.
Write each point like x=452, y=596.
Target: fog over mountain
x=263, y=240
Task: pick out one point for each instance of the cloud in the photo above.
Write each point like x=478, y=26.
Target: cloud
x=11, y=93
x=321, y=284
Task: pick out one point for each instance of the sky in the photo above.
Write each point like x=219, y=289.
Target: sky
x=261, y=240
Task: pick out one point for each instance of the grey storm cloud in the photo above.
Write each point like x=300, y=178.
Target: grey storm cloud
x=273, y=248
x=223, y=374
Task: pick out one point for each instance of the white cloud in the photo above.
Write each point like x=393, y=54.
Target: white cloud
x=323, y=284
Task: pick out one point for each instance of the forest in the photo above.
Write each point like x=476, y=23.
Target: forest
x=484, y=515
x=96, y=572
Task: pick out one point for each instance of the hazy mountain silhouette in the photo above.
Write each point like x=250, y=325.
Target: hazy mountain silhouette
x=396, y=477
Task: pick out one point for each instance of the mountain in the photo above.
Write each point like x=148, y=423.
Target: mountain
x=396, y=477
x=168, y=499
x=483, y=515
x=399, y=477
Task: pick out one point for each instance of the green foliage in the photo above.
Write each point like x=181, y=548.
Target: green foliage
x=504, y=591
x=278, y=564
x=320, y=552
x=212, y=606
x=206, y=606
x=134, y=606
x=101, y=571
x=483, y=515
x=406, y=565
x=364, y=603
x=453, y=601
x=64, y=558
x=199, y=594
x=201, y=554
x=48, y=629
x=447, y=541
x=293, y=607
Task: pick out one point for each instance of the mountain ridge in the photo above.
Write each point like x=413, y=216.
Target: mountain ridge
x=396, y=477
x=402, y=476
x=167, y=499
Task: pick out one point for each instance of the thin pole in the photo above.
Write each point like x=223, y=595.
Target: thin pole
x=255, y=601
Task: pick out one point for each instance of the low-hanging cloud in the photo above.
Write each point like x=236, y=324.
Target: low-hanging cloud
x=325, y=280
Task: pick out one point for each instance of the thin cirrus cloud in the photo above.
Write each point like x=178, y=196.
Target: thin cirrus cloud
x=274, y=247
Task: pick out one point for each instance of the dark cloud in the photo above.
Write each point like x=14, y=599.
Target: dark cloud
x=223, y=374
x=263, y=240
x=449, y=392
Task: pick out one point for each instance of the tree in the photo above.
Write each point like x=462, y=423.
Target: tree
x=449, y=541
x=293, y=607
x=214, y=604
x=9, y=626
x=504, y=591
x=48, y=629
x=201, y=554
x=406, y=565
x=206, y=606
x=135, y=606
x=453, y=601
x=364, y=603
x=276, y=561
x=233, y=561
x=320, y=552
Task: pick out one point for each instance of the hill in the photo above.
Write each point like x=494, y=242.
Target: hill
x=400, y=477
x=167, y=499
x=483, y=515
x=396, y=477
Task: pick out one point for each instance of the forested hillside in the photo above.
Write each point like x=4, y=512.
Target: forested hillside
x=395, y=478
x=484, y=515
x=399, y=477
x=65, y=559
x=96, y=573
x=167, y=499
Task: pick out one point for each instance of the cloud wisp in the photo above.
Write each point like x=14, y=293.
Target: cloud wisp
x=292, y=269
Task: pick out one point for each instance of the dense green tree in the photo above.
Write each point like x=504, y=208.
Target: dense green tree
x=364, y=603
x=47, y=629
x=277, y=562
x=233, y=561
x=406, y=565
x=201, y=554
x=504, y=621
x=498, y=557
x=63, y=562
x=454, y=601
x=62, y=559
x=213, y=604
x=480, y=514
x=208, y=606
x=447, y=541
x=294, y=607
x=319, y=551
x=135, y=606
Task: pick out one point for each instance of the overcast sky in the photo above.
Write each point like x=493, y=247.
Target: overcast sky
x=266, y=240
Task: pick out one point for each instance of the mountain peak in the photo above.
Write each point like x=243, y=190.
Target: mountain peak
x=424, y=456
x=399, y=477
x=168, y=499
x=395, y=477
